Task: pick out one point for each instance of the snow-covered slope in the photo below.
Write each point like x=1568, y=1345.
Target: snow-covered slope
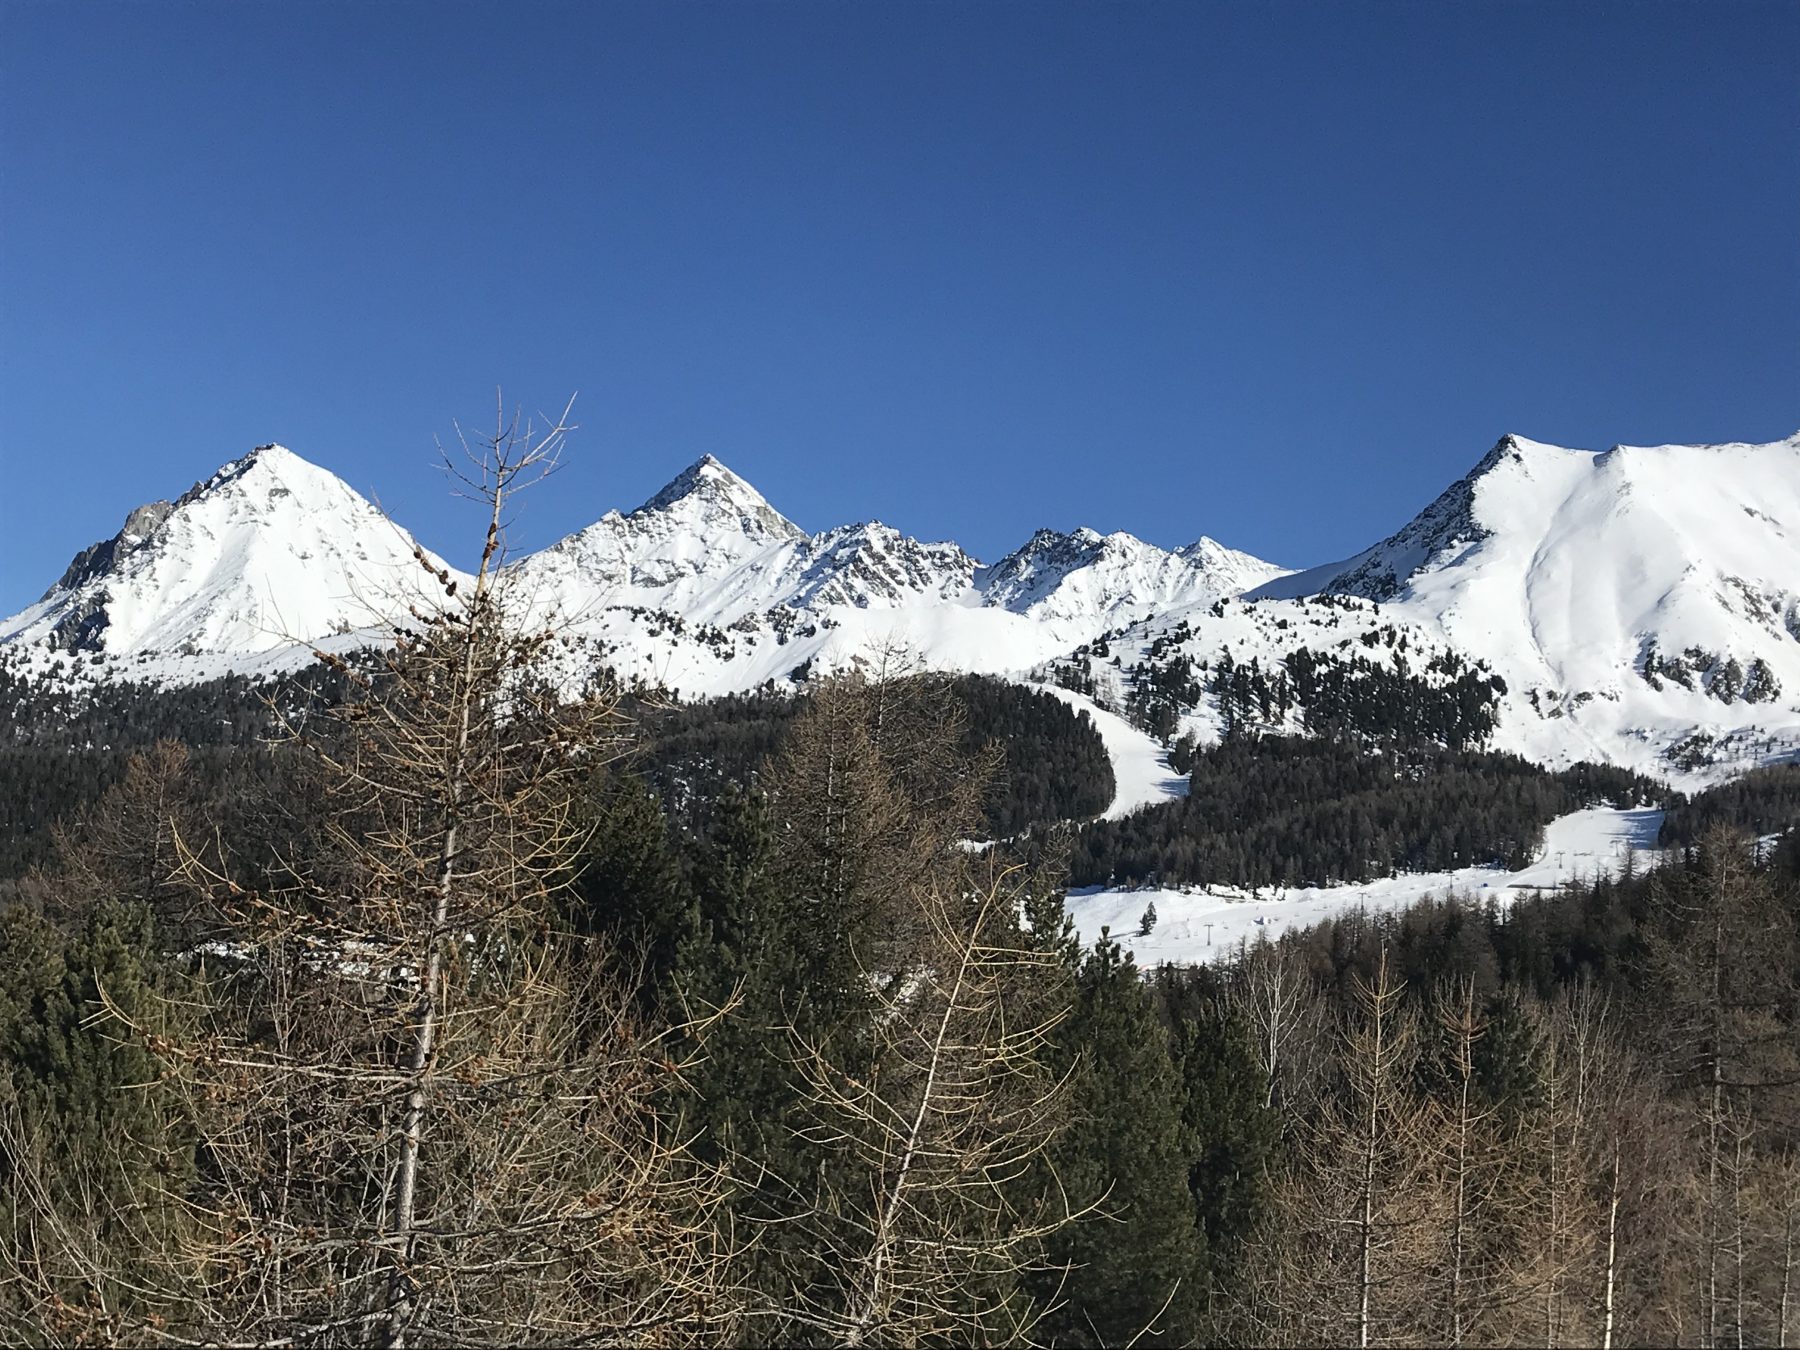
x=707, y=588
x=1201, y=924
x=269, y=551
x=1073, y=579
x=709, y=548
x=1635, y=597
x=1141, y=773
x=1641, y=605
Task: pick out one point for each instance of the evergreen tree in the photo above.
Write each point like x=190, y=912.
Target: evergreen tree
x=1225, y=1105
x=1137, y=1273
x=84, y=1121
x=629, y=886
x=741, y=954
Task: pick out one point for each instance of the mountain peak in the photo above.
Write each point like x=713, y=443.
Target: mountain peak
x=709, y=490
x=267, y=551
x=707, y=474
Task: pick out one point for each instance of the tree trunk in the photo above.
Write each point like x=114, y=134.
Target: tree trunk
x=1612, y=1249
x=418, y=1061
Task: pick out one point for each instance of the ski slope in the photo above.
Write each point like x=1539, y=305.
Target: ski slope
x=1141, y=773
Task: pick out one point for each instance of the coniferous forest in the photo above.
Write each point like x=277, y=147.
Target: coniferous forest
x=413, y=1002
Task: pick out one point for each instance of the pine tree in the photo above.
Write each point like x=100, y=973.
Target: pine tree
x=93, y=1146
x=1137, y=1273
x=1235, y=1131
x=629, y=885
x=739, y=973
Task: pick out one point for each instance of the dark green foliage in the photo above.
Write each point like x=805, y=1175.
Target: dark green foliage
x=690, y=752
x=1159, y=691
x=1055, y=765
x=630, y=887
x=80, y=1096
x=1295, y=811
x=67, y=1070
x=1139, y=1274
x=1447, y=703
x=1225, y=1105
x=48, y=710
x=742, y=950
x=64, y=743
x=1597, y=932
x=39, y=787
x=1764, y=801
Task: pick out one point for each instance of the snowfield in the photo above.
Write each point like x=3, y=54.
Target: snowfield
x=1211, y=924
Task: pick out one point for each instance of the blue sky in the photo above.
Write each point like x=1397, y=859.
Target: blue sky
x=1274, y=273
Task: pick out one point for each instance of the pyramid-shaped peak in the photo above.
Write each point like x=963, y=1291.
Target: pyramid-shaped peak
x=709, y=489
x=279, y=470
x=274, y=457
x=1517, y=449
x=709, y=475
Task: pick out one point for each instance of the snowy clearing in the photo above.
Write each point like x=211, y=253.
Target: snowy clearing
x=1209, y=924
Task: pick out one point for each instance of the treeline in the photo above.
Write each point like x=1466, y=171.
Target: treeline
x=1051, y=765
x=1762, y=802
x=1293, y=811
x=1573, y=1120
x=47, y=708
x=63, y=744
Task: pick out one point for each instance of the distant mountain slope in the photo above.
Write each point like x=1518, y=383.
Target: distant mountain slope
x=757, y=598
x=1639, y=605
x=1079, y=577
x=710, y=548
x=1642, y=593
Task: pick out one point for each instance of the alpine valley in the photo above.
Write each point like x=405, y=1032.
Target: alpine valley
x=1638, y=606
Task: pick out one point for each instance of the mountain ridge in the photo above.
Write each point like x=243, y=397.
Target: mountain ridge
x=1641, y=598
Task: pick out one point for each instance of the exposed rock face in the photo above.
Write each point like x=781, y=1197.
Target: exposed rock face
x=97, y=559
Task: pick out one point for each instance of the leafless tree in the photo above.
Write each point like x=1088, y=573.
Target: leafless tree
x=1342, y=1259
x=420, y=1110
x=942, y=1118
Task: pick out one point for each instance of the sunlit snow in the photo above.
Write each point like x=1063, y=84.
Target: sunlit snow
x=1211, y=923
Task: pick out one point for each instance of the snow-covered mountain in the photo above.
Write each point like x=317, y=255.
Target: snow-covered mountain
x=1641, y=605
x=1642, y=593
x=708, y=588
x=1072, y=578
x=269, y=551
x=709, y=548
